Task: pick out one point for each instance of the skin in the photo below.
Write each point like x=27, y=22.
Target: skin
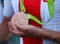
x=4, y=32
x=34, y=31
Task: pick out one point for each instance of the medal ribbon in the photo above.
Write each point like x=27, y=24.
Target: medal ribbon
x=50, y=7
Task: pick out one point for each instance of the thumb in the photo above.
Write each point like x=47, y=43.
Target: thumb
x=21, y=27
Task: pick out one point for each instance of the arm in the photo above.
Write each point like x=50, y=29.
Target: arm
x=48, y=34
x=42, y=33
x=52, y=35
x=33, y=31
x=4, y=28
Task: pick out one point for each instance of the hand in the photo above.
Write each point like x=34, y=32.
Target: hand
x=14, y=30
x=25, y=31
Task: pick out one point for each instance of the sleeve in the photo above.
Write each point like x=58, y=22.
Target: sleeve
x=15, y=5
x=8, y=9
x=1, y=12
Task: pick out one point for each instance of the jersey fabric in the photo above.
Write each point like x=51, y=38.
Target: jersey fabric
x=54, y=23
x=33, y=7
x=39, y=9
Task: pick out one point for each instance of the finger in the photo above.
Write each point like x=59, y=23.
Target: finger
x=9, y=24
x=21, y=27
x=15, y=31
